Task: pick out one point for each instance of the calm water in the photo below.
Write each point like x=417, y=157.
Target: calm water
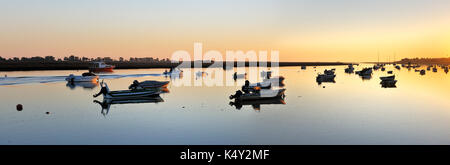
x=349, y=111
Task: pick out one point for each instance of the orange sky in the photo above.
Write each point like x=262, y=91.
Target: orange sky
x=322, y=30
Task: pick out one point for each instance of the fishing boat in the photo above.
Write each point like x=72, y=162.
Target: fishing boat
x=126, y=94
x=148, y=84
x=101, y=67
x=260, y=95
x=327, y=75
x=85, y=77
x=388, y=84
x=350, y=68
x=387, y=78
x=365, y=72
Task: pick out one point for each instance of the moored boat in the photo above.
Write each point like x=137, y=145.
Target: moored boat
x=387, y=78
x=126, y=94
x=260, y=95
x=101, y=67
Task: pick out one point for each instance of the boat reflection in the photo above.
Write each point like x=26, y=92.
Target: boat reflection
x=256, y=104
x=106, y=103
x=85, y=85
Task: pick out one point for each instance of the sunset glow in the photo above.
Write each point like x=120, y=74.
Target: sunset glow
x=319, y=30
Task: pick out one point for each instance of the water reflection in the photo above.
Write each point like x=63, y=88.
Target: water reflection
x=85, y=85
x=256, y=104
x=106, y=103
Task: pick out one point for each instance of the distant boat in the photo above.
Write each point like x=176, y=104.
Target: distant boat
x=101, y=67
x=388, y=84
x=364, y=72
x=85, y=77
x=387, y=78
x=326, y=76
x=350, y=69
x=261, y=95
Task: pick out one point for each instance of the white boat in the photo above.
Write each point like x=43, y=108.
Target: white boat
x=85, y=77
x=127, y=94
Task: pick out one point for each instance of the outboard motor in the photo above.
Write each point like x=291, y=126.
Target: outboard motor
x=104, y=90
x=134, y=85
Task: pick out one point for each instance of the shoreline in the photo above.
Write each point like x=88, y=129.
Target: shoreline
x=36, y=66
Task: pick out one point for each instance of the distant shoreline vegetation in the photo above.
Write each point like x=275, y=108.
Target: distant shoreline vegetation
x=438, y=61
x=79, y=63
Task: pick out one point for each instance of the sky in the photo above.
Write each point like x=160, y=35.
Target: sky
x=301, y=30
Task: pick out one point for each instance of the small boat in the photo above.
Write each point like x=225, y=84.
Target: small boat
x=422, y=72
x=260, y=95
x=365, y=72
x=85, y=77
x=390, y=72
x=327, y=75
x=101, y=67
x=350, y=69
x=388, y=84
x=387, y=78
x=127, y=94
x=148, y=84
